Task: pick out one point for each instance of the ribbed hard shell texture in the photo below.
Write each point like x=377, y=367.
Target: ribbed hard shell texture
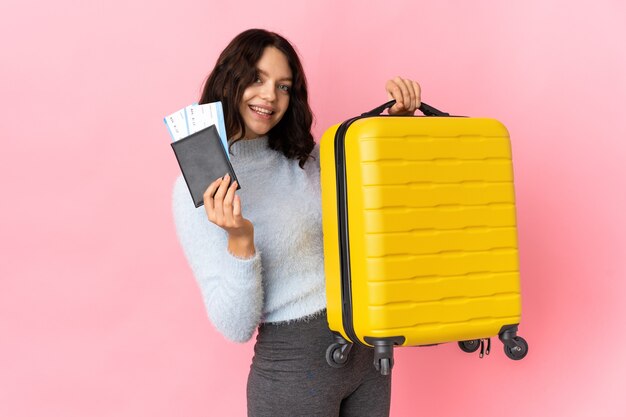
x=432, y=231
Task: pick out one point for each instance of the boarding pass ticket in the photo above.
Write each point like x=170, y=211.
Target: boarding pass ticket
x=196, y=117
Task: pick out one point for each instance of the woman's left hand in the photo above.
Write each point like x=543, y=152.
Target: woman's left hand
x=407, y=95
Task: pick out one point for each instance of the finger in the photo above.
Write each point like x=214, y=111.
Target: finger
x=228, y=205
x=418, y=94
x=219, y=199
x=208, y=198
x=409, y=87
x=406, y=96
x=394, y=92
x=222, y=188
x=237, y=208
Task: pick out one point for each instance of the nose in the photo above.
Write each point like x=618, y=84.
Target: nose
x=268, y=91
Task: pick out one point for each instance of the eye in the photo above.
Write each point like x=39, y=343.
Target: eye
x=284, y=87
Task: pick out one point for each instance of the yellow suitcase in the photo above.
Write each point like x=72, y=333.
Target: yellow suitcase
x=420, y=240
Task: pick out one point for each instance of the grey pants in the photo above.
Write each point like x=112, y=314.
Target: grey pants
x=289, y=375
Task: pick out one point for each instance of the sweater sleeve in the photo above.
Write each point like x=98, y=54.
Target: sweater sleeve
x=231, y=287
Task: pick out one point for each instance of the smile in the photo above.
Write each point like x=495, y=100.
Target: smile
x=261, y=110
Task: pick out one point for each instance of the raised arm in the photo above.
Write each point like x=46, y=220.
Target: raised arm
x=231, y=285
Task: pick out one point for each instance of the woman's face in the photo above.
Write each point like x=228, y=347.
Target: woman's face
x=265, y=101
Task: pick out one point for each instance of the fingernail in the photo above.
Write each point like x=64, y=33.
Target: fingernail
x=226, y=176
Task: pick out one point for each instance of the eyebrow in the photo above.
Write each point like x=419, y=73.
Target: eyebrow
x=266, y=74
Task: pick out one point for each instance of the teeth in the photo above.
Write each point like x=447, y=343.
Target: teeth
x=261, y=110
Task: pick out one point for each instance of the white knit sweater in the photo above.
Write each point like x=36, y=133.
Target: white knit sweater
x=285, y=279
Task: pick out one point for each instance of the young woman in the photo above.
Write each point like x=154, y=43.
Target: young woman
x=257, y=254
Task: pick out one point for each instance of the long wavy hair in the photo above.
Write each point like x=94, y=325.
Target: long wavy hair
x=235, y=70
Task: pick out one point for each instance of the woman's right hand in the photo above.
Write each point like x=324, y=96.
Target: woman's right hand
x=223, y=208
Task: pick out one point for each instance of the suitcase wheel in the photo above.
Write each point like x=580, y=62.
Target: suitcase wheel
x=469, y=346
x=515, y=347
x=519, y=351
x=384, y=366
x=383, y=356
x=337, y=354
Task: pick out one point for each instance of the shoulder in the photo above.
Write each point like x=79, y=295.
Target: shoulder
x=316, y=151
x=313, y=163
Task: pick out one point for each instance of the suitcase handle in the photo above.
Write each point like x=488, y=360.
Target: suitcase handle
x=424, y=108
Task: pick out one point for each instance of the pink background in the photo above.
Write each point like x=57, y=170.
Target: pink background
x=99, y=312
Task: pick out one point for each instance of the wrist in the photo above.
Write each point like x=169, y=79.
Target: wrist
x=241, y=246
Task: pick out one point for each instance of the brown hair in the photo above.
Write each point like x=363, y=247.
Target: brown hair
x=236, y=69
